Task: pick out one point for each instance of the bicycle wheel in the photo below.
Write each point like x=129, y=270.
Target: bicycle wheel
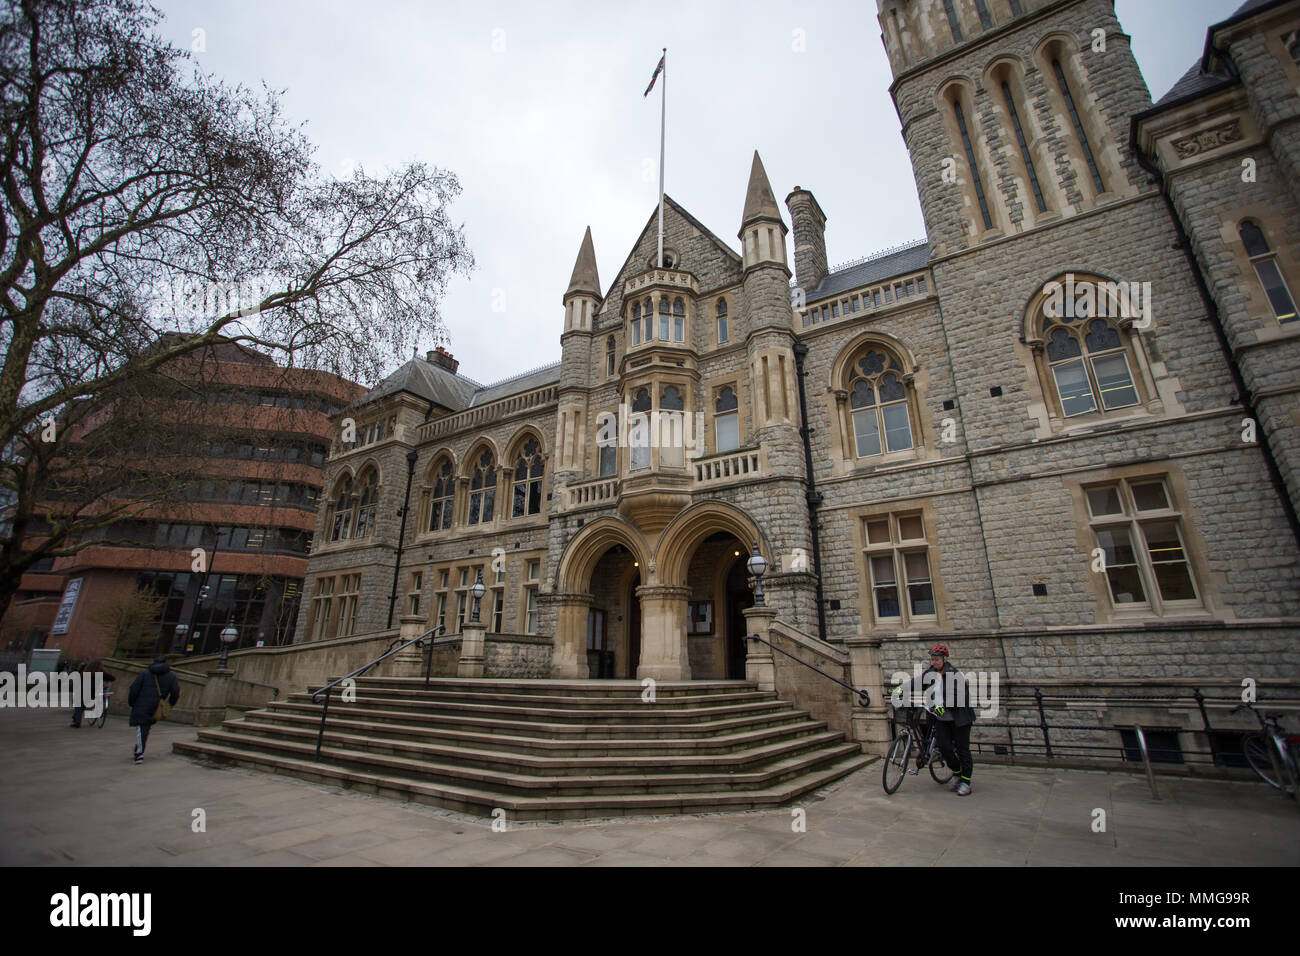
x=102, y=718
x=1256, y=747
x=939, y=767
x=896, y=762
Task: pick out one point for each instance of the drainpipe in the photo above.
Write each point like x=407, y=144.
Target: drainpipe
x=411, y=456
x=813, y=497
x=1216, y=320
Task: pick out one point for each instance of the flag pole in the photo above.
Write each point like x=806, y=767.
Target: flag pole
x=663, y=112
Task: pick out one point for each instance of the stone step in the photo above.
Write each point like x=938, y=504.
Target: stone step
x=507, y=760
x=631, y=780
x=600, y=689
x=545, y=749
x=510, y=782
x=508, y=723
x=469, y=797
x=542, y=712
x=527, y=740
x=583, y=704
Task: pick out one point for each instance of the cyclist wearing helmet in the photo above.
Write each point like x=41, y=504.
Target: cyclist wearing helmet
x=944, y=686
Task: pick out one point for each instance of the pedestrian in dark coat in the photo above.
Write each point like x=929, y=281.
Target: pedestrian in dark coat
x=155, y=684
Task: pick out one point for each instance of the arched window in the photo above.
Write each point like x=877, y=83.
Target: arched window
x=1088, y=362
x=342, y=512
x=527, y=490
x=366, y=507
x=663, y=319
x=482, y=490
x=442, y=499
x=636, y=323
x=679, y=320
x=609, y=356
x=722, y=321
x=878, y=405
x=726, y=420
x=1264, y=260
x=639, y=431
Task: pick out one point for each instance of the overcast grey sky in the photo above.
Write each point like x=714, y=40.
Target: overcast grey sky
x=538, y=109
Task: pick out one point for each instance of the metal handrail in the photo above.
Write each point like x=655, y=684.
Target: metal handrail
x=328, y=689
x=864, y=698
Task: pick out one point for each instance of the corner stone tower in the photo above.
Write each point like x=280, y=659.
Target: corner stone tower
x=581, y=302
x=773, y=388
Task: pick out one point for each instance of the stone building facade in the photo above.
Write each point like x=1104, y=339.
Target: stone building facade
x=1058, y=435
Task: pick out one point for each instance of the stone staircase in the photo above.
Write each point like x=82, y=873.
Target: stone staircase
x=545, y=749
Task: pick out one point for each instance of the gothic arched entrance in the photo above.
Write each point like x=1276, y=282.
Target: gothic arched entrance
x=597, y=620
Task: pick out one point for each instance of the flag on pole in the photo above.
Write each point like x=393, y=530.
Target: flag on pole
x=658, y=69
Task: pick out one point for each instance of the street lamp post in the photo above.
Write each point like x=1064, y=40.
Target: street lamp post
x=228, y=636
x=478, y=590
x=757, y=565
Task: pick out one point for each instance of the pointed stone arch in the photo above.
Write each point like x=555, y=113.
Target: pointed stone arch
x=683, y=534
x=590, y=544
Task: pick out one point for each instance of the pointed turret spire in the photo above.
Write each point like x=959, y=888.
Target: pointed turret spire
x=585, y=279
x=760, y=203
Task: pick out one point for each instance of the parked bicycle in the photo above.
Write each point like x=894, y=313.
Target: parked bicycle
x=914, y=742
x=103, y=712
x=1272, y=753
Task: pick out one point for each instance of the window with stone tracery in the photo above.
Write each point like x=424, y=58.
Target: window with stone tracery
x=443, y=498
x=526, y=490
x=878, y=404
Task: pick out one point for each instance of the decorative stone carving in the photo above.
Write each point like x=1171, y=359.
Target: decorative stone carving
x=1208, y=139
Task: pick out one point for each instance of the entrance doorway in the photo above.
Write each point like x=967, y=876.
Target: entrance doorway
x=600, y=658
x=739, y=597
x=633, y=628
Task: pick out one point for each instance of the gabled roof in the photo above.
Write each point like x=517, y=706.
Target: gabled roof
x=883, y=266
x=652, y=226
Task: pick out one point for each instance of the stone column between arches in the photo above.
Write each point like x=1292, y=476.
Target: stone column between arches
x=665, y=653
x=569, y=652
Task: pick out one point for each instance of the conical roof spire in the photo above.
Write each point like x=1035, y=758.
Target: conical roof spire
x=585, y=279
x=760, y=203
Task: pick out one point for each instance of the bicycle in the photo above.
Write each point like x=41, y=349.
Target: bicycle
x=926, y=744
x=103, y=712
x=1272, y=753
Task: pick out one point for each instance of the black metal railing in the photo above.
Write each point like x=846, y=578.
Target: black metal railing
x=864, y=698
x=1027, y=733
x=328, y=689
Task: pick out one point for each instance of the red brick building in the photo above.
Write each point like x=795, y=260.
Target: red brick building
x=263, y=432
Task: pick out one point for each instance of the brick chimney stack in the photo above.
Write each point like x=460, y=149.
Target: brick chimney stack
x=444, y=359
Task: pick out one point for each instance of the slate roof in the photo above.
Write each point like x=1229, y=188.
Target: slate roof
x=882, y=266
x=1192, y=82
x=428, y=381
x=1199, y=80
x=546, y=375
x=454, y=392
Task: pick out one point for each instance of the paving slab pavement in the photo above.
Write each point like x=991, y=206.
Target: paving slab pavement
x=72, y=797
